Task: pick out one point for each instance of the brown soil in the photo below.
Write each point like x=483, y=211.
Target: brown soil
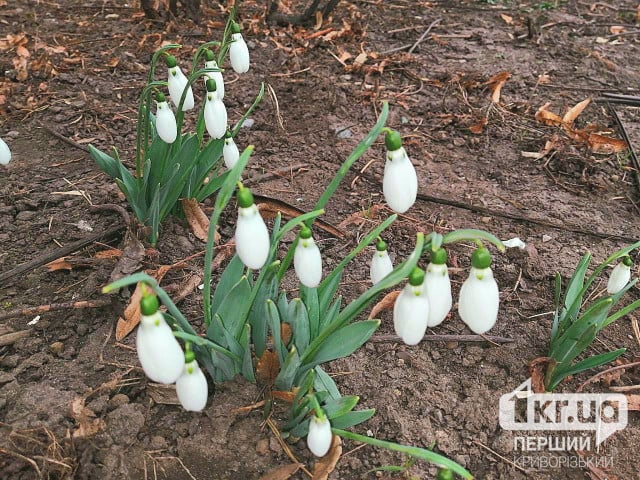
x=88, y=61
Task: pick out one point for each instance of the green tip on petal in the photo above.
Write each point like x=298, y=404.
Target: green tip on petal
x=439, y=257
x=392, y=140
x=627, y=261
x=228, y=134
x=160, y=97
x=245, y=197
x=211, y=85
x=305, y=232
x=481, y=258
x=149, y=304
x=171, y=61
x=189, y=356
x=235, y=28
x=208, y=55
x=416, y=277
x=381, y=246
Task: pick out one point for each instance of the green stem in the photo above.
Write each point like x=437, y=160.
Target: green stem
x=142, y=128
x=421, y=453
x=200, y=51
x=253, y=106
x=205, y=342
x=621, y=313
x=224, y=47
x=316, y=406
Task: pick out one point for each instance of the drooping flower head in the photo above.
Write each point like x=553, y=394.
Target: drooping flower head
x=479, y=295
x=381, y=264
x=191, y=387
x=177, y=83
x=5, y=153
x=307, y=260
x=320, y=436
x=400, y=182
x=210, y=62
x=230, y=151
x=620, y=276
x=438, y=287
x=252, y=236
x=215, y=113
x=159, y=352
x=238, y=51
x=165, y=120
x=411, y=309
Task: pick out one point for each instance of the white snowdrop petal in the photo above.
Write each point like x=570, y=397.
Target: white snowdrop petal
x=5, y=153
x=400, y=181
x=479, y=300
x=438, y=288
x=307, y=263
x=620, y=276
x=380, y=266
x=230, y=153
x=217, y=77
x=319, y=436
x=239, y=54
x=177, y=82
x=166, y=123
x=252, y=238
x=410, y=314
x=514, y=243
x=215, y=116
x=160, y=354
x=192, y=388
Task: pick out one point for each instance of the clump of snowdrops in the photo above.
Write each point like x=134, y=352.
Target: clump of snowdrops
x=171, y=162
x=249, y=318
x=576, y=323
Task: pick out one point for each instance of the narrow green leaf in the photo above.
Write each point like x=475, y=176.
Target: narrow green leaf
x=336, y=407
x=344, y=341
x=231, y=276
x=300, y=325
x=274, y=325
x=310, y=300
x=250, y=110
x=470, y=234
x=284, y=380
x=233, y=309
x=324, y=383
x=247, y=360
x=591, y=362
x=106, y=162
x=352, y=418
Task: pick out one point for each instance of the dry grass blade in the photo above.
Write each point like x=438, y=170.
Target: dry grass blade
x=385, y=304
x=327, y=464
x=575, y=111
x=196, y=218
x=281, y=473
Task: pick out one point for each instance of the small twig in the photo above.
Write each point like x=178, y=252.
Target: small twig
x=274, y=429
x=275, y=173
x=114, y=208
x=605, y=372
x=52, y=307
x=22, y=457
x=11, y=338
x=424, y=34
x=625, y=388
x=444, y=338
x=59, y=136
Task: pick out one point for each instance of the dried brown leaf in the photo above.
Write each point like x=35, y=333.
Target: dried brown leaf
x=605, y=145
x=327, y=464
x=478, y=127
x=543, y=115
x=496, y=83
x=285, y=333
x=281, y=473
x=110, y=253
x=131, y=317
x=88, y=425
x=267, y=368
x=196, y=218
x=575, y=111
x=59, y=264
x=131, y=260
x=507, y=19
x=537, y=369
x=385, y=304
x=284, y=396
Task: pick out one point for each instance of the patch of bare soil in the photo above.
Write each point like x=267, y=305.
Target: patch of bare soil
x=73, y=401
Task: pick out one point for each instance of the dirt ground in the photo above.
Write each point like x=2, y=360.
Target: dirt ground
x=85, y=65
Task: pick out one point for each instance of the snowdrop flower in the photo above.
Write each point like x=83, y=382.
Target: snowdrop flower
x=210, y=62
x=252, y=236
x=191, y=387
x=230, y=151
x=381, y=264
x=158, y=350
x=215, y=113
x=307, y=261
x=479, y=295
x=411, y=309
x=438, y=288
x=400, y=182
x=5, y=153
x=177, y=83
x=165, y=120
x=620, y=276
x=319, y=437
x=238, y=51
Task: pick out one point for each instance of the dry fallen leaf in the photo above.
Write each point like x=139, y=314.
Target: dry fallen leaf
x=385, y=304
x=325, y=465
x=267, y=368
x=281, y=473
x=543, y=115
x=478, y=127
x=285, y=333
x=496, y=83
x=88, y=425
x=605, y=145
x=507, y=19
x=59, y=264
x=537, y=369
x=196, y=218
x=288, y=397
x=575, y=111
